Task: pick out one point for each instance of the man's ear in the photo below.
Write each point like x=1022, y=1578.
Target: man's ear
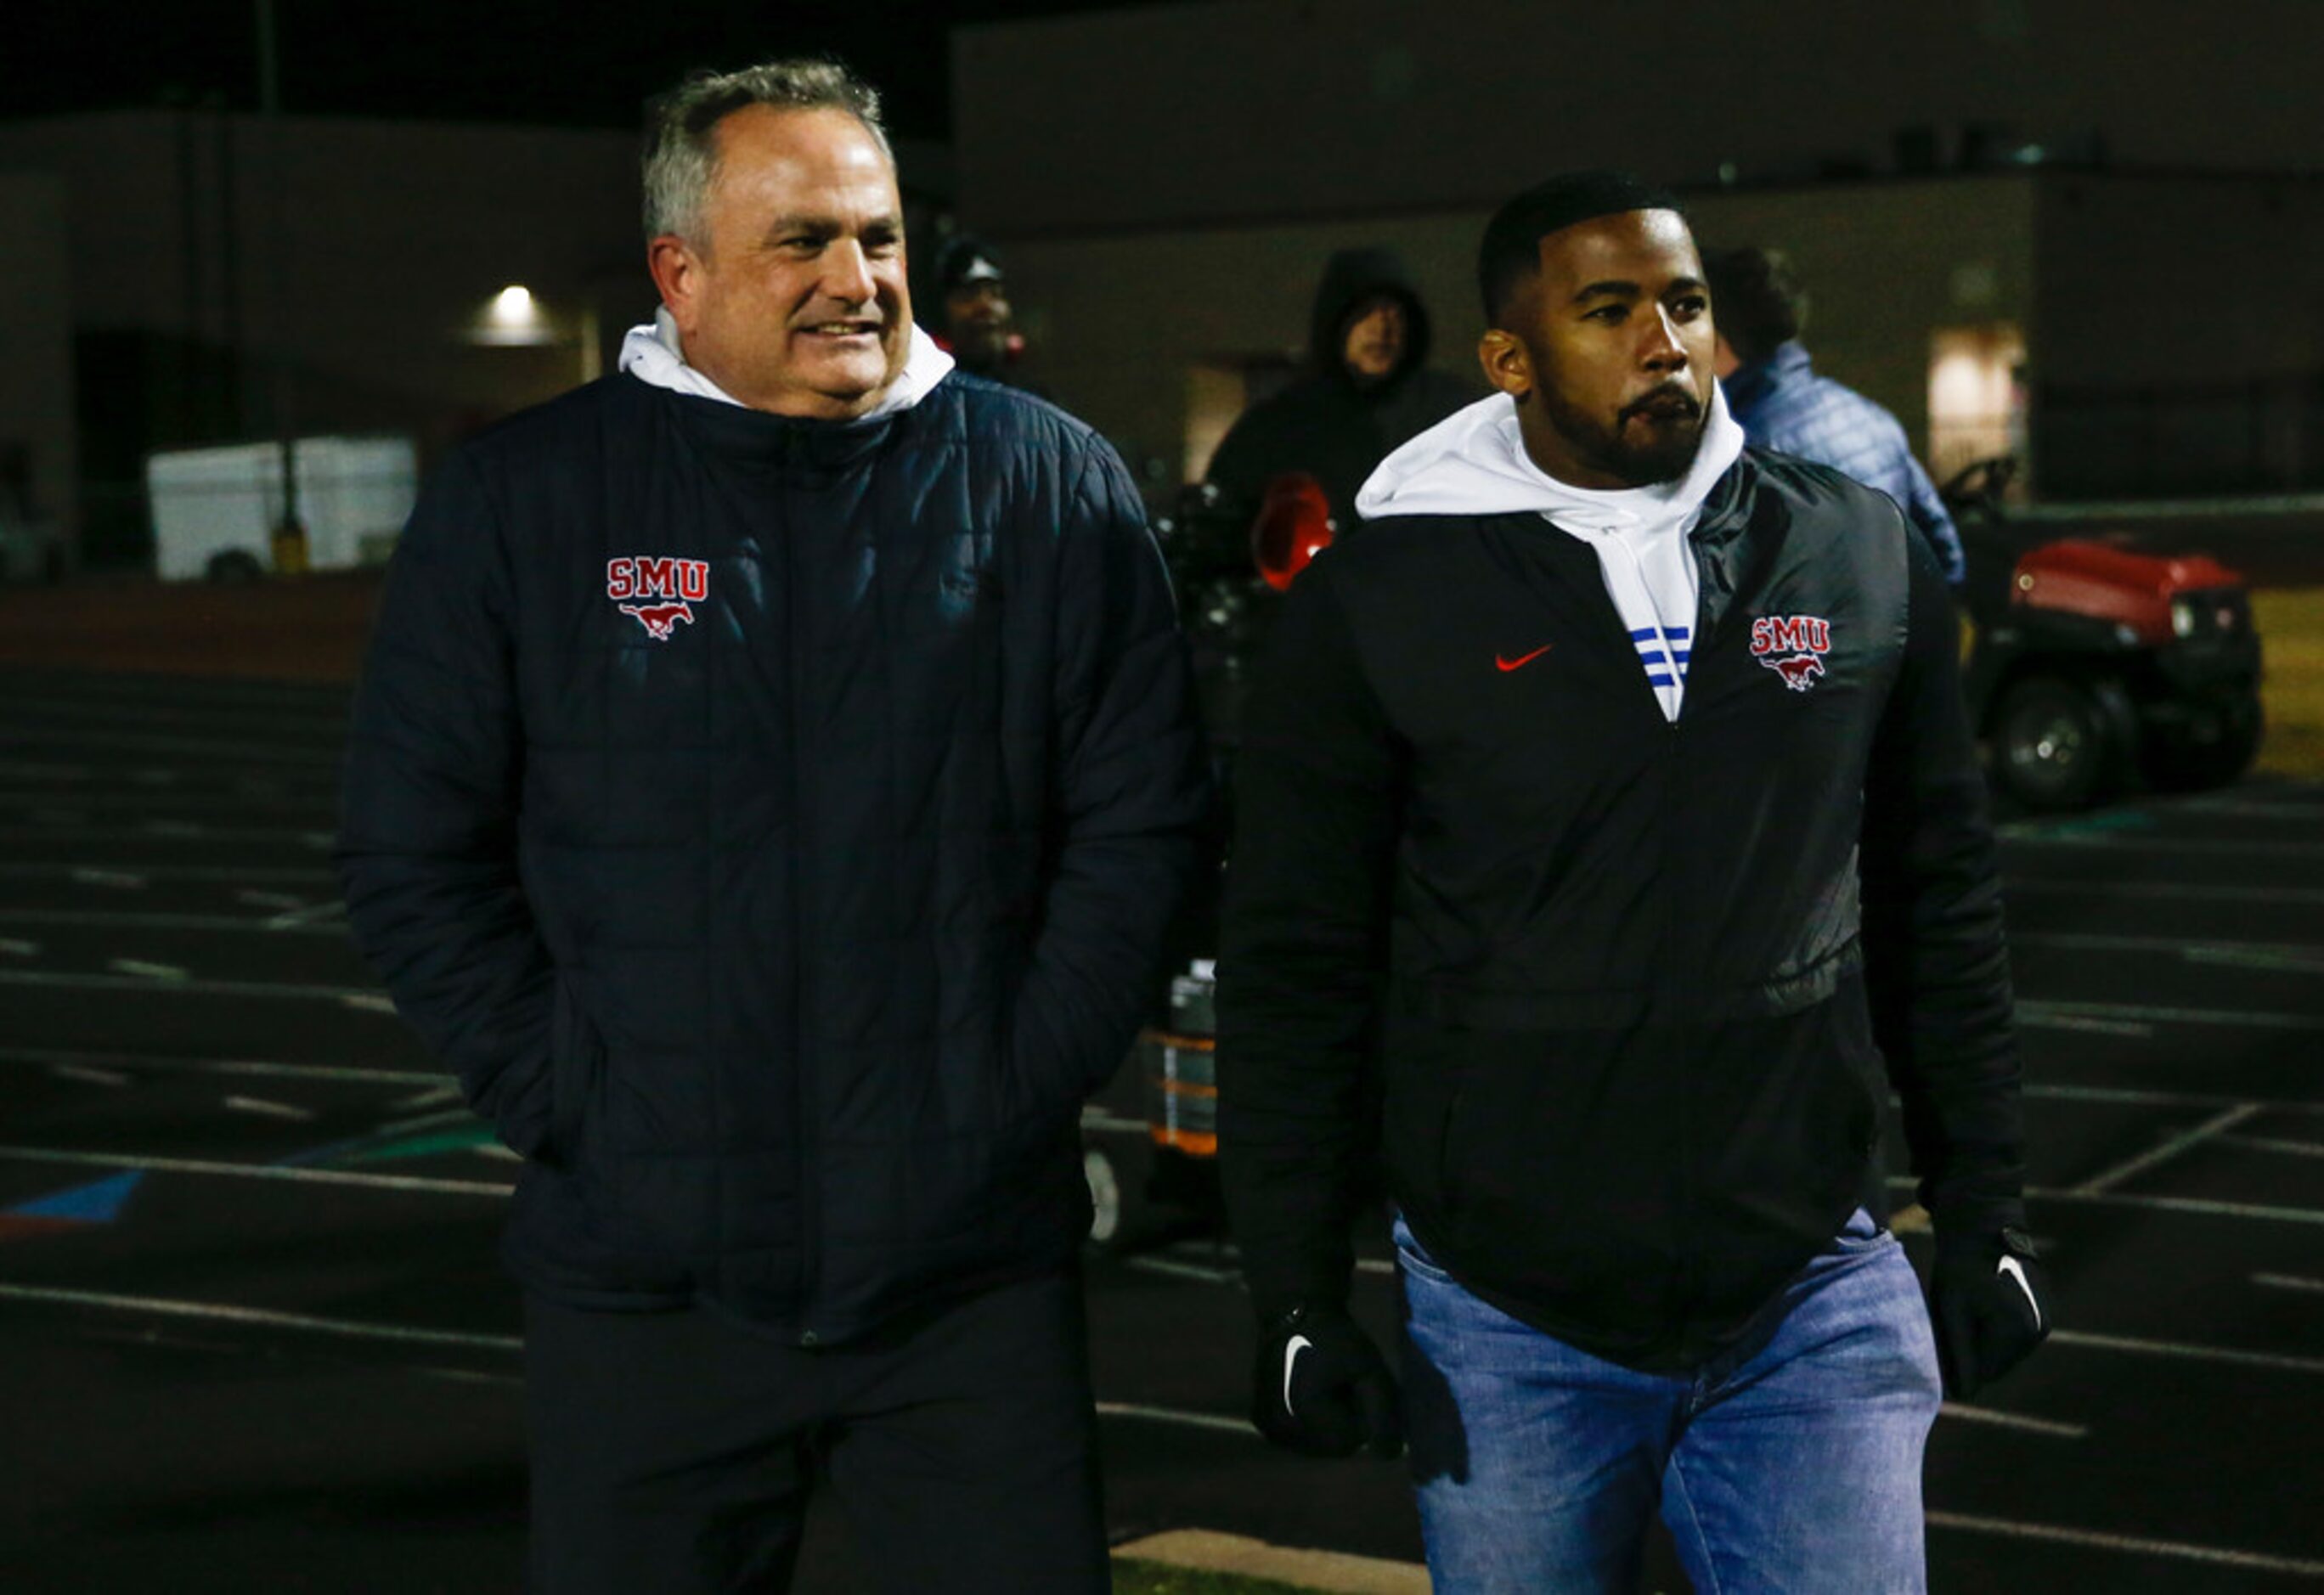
x=677, y=271
x=1508, y=364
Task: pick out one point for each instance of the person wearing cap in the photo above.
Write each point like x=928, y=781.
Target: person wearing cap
x=980, y=326
x=1366, y=388
x=1782, y=402
x=1610, y=844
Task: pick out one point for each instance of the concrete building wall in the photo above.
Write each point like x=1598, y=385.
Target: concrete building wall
x=1259, y=110
x=2184, y=332
x=36, y=357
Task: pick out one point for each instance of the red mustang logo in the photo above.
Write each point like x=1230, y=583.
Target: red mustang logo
x=659, y=619
x=1793, y=646
x=678, y=585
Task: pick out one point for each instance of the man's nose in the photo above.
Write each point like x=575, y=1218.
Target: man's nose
x=1664, y=351
x=847, y=273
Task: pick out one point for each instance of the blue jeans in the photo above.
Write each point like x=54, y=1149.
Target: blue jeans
x=1792, y=1464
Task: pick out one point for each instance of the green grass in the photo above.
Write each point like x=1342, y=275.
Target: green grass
x=2290, y=622
x=1153, y=1578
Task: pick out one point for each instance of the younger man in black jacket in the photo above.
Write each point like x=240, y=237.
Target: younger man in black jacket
x=1611, y=797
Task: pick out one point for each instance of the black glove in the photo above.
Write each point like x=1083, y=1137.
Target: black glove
x=1321, y=1388
x=1989, y=1301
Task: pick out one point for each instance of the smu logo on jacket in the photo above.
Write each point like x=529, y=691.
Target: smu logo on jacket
x=666, y=590
x=1793, y=646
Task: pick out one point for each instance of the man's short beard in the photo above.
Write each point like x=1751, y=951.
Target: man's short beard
x=1666, y=458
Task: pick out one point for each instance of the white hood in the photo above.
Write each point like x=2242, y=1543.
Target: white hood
x=1473, y=463
x=652, y=353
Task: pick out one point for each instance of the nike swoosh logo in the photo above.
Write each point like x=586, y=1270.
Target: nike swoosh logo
x=1299, y=1342
x=1508, y=665
x=2015, y=1270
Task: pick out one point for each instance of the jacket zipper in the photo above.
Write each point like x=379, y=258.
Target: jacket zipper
x=802, y=965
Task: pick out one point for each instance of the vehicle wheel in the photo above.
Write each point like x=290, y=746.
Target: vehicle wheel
x=1119, y=1212
x=2054, y=747
x=2189, y=766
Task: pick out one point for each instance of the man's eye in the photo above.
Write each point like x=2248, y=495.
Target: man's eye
x=1689, y=307
x=1611, y=314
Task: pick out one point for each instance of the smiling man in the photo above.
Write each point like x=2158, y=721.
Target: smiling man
x=772, y=780
x=1609, y=844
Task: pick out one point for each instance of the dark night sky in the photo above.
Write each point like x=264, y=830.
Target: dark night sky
x=579, y=62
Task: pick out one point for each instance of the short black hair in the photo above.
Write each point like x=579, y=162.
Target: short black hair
x=1756, y=300
x=1510, y=251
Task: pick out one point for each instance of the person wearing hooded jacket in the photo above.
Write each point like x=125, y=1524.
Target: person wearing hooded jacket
x=1367, y=388
x=767, y=789
x=1609, y=843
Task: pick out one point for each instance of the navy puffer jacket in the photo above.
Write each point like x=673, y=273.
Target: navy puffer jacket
x=774, y=825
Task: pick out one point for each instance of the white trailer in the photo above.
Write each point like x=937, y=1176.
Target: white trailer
x=354, y=494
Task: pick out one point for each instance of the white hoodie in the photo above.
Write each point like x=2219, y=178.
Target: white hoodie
x=653, y=353
x=1473, y=463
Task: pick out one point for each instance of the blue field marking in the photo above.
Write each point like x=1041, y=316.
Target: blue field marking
x=99, y=1203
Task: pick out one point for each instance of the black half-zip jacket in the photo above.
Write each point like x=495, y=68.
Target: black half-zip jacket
x=1629, y=985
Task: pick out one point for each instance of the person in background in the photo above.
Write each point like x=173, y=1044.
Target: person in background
x=1367, y=387
x=980, y=324
x=1609, y=844
x=1783, y=404
x=771, y=779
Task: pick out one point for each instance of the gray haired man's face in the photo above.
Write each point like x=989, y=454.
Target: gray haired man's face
x=794, y=300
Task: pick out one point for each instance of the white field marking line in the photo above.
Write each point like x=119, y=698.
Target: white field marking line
x=97, y=919
x=2196, y=1206
x=267, y=1108
x=306, y=918
x=86, y=1077
x=2160, y=1099
x=2250, y=955
x=2041, y=1012
x=1375, y=1266
x=2098, y=1185
x=283, y=753
x=1172, y=1269
x=430, y=1098
x=2013, y=1420
x=2152, y=840
x=260, y=718
x=293, y=1172
x=143, y=873
x=16, y=945
x=494, y=1150
x=2166, y=890
x=2289, y=1282
x=90, y=875
x=2265, y=1143
x=2130, y=1030
x=277, y=900
x=225, y=1313
x=351, y=996
x=1170, y=1415
x=160, y=831
x=144, y=971
x=2181, y=1350
x=2249, y=1561
x=2245, y=808
x=1097, y=1119
x=44, y=800
x=49, y=1058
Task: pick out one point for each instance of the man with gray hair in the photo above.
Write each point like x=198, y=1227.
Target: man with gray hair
x=771, y=782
